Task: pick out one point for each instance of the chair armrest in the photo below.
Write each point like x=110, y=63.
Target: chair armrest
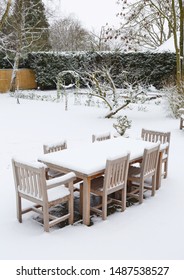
x=62, y=180
x=181, y=111
x=164, y=146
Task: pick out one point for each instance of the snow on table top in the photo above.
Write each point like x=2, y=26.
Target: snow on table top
x=91, y=158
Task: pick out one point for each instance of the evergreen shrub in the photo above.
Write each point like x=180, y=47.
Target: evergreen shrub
x=147, y=68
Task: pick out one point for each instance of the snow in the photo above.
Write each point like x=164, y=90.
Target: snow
x=60, y=191
x=77, y=158
x=61, y=180
x=150, y=231
x=34, y=164
x=167, y=46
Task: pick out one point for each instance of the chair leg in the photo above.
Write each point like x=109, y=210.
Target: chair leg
x=123, y=199
x=141, y=190
x=46, y=218
x=165, y=169
x=153, y=185
x=129, y=186
x=19, y=209
x=181, y=123
x=104, y=207
x=70, y=208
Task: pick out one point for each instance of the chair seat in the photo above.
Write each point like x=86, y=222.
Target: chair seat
x=53, y=173
x=57, y=193
x=97, y=184
x=134, y=171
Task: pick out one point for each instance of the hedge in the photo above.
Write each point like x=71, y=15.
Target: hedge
x=148, y=68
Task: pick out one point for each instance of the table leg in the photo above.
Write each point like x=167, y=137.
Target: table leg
x=86, y=201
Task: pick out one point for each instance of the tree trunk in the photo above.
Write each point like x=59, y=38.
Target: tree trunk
x=181, y=6
x=113, y=112
x=14, y=73
x=177, y=47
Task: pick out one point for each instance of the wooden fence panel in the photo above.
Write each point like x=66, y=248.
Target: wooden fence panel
x=26, y=79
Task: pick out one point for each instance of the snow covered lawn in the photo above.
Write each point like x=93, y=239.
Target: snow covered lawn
x=153, y=230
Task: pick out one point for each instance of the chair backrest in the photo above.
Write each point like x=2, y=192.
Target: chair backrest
x=54, y=147
x=150, y=161
x=155, y=136
x=30, y=179
x=101, y=137
x=116, y=173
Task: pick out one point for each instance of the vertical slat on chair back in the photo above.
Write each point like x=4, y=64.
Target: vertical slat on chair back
x=155, y=136
x=116, y=172
x=101, y=137
x=29, y=179
x=150, y=161
x=54, y=147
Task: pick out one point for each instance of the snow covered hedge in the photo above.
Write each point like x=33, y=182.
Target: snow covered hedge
x=147, y=68
x=7, y=62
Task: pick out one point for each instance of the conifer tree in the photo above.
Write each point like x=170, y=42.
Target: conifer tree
x=4, y=12
x=29, y=19
x=26, y=30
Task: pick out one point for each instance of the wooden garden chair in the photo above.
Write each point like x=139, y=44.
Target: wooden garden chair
x=163, y=138
x=54, y=147
x=50, y=148
x=31, y=184
x=137, y=176
x=113, y=181
x=51, y=173
x=181, y=112
x=101, y=137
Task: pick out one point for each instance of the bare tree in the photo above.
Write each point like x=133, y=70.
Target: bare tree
x=145, y=23
x=100, y=83
x=68, y=34
x=149, y=23
x=24, y=31
x=100, y=42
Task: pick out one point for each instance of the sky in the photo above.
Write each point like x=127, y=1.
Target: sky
x=93, y=14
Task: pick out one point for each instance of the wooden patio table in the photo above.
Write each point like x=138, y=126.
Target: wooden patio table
x=88, y=161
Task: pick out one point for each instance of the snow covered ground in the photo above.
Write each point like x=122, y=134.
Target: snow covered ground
x=153, y=230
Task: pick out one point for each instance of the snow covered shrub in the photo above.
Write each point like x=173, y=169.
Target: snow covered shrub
x=135, y=92
x=175, y=100
x=142, y=108
x=122, y=125
x=32, y=95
